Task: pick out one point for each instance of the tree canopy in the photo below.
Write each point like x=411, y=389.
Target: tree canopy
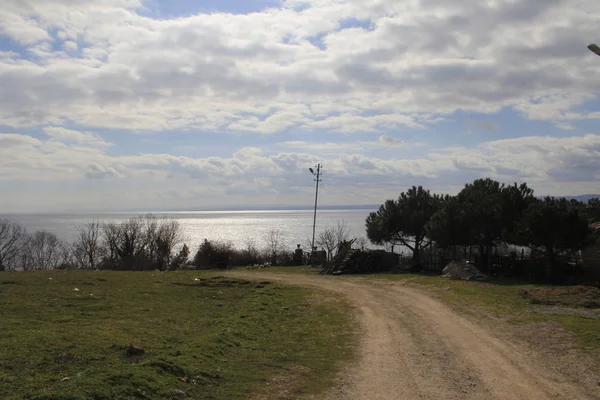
x=486, y=214
x=556, y=228
x=404, y=221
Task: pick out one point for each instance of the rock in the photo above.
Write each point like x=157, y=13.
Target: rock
x=462, y=271
x=133, y=350
x=179, y=393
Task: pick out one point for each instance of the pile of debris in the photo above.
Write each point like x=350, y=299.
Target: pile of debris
x=335, y=266
x=462, y=270
x=354, y=261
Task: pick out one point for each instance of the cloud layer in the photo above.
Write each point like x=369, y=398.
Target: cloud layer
x=352, y=72
x=321, y=64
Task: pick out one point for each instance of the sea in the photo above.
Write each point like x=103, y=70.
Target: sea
x=236, y=226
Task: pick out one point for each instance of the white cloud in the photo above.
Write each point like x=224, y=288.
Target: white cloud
x=301, y=70
x=546, y=163
x=215, y=71
x=71, y=136
x=70, y=45
x=390, y=141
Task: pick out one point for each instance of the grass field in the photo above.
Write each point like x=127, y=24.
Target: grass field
x=65, y=334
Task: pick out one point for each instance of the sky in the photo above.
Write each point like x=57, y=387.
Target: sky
x=175, y=104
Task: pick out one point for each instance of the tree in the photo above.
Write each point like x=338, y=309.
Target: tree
x=327, y=239
x=126, y=243
x=181, y=259
x=213, y=254
x=166, y=237
x=342, y=233
x=556, y=228
x=404, y=221
x=449, y=225
x=332, y=237
x=483, y=201
x=12, y=243
x=275, y=242
x=491, y=212
x=87, y=249
x=361, y=243
x=515, y=200
x=591, y=210
x=44, y=251
x=144, y=242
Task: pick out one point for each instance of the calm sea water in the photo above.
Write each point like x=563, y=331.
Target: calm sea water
x=236, y=226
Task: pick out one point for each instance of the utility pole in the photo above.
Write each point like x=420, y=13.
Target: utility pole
x=317, y=180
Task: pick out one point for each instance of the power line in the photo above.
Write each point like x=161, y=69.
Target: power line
x=317, y=180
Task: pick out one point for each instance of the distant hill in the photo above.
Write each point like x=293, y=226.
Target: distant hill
x=582, y=197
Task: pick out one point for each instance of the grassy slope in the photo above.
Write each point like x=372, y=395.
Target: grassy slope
x=221, y=341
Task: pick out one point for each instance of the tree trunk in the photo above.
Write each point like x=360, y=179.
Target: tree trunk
x=482, y=265
x=550, y=264
x=490, y=263
x=416, y=256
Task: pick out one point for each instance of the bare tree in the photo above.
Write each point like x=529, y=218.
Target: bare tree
x=142, y=243
x=327, y=239
x=275, y=242
x=88, y=249
x=168, y=235
x=126, y=243
x=44, y=251
x=342, y=233
x=360, y=243
x=332, y=237
x=12, y=243
x=250, y=253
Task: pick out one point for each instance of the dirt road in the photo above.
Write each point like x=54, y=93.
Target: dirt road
x=415, y=347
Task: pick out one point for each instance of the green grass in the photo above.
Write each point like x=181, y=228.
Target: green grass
x=211, y=339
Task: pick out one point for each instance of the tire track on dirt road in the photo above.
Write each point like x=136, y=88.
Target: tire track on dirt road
x=415, y=347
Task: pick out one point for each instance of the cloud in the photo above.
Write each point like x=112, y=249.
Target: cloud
x=101, y=172
x=488, y=126
x=216, y=71
x=390, y=141
x=9, y=141
x=71, y=136
x=534, y=159
x=343, y=83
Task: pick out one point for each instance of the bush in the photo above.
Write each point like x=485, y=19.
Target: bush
x=213, y=255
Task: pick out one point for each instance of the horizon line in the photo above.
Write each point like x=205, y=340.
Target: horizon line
x=340, y=207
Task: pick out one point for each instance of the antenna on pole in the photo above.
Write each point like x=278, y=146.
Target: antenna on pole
x=317, y=180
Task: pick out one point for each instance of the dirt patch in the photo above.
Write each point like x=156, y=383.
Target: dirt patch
x=573, y=296
x=549, y=343
x=212, y=282
x=558, y=310
x=285, y=384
